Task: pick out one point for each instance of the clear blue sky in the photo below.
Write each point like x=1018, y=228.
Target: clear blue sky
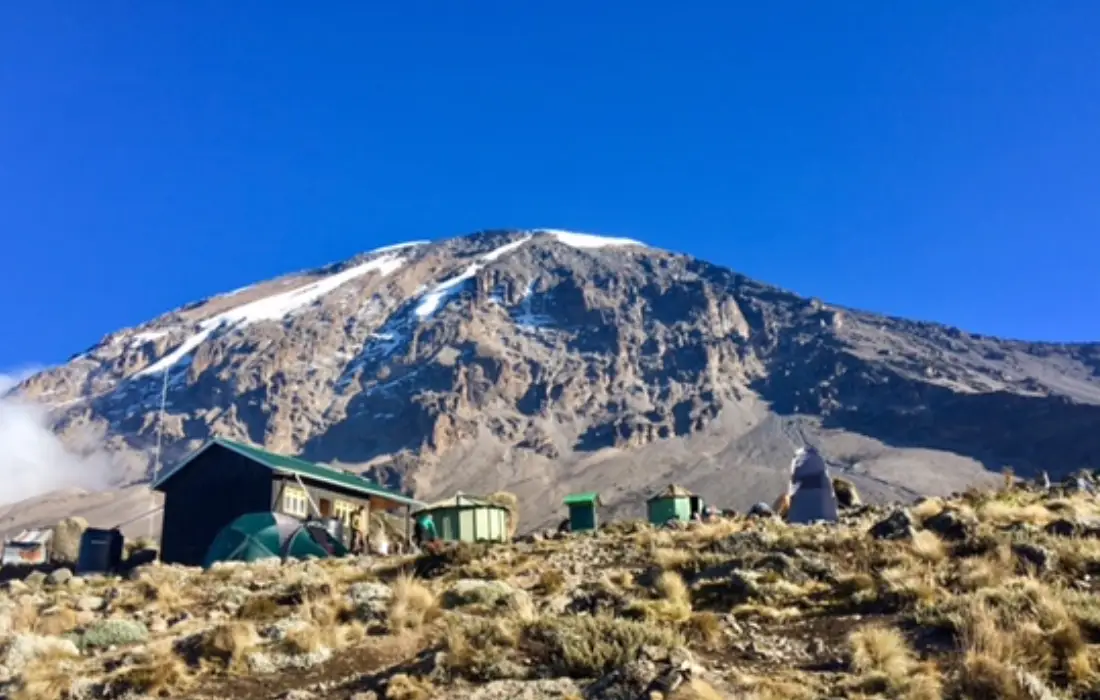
x=935, y=159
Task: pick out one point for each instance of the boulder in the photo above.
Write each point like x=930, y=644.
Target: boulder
x=370, y=599
x=59, y=577
x=952, y=524
x=1073, y=528
x=761, y=510
x=90, y=603
x=1062, y=528
x=66, y=539
x=846, y=494
x=896, y=526
x=26, y=648
x=1033, y=555
x=35, y=579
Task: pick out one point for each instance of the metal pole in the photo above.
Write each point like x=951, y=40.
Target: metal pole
x=156, y=454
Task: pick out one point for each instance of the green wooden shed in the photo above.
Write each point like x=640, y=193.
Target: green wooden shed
x=463, y=518
x=672, y=502
x=582, y=511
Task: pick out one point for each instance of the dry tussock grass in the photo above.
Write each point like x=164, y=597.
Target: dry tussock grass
x=1078, y=557
x=550, y=581
x=48, y=677
x=403, y=687
x=1017, y=637
x=43, y=682
x=884, y=662
x=1004, y=512
x=927, y=546
x=475, y=646
x=163, y=594
x=775, y=687
x=928, y=508
x=673, y=602
x=988, y=571
x=704, y=629
x=157, y=671
x=696, y=689
x=56, y=622
x=24, y=616
x=412, y=604
x=230, y=643
x=761, y=611
x=672, y=559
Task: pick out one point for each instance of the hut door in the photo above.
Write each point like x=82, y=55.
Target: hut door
x=696, y=504
x=325, y=506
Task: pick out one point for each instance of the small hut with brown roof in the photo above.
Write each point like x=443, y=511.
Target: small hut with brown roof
x=672, y=503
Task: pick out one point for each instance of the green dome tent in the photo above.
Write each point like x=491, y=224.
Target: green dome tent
x=262, y=535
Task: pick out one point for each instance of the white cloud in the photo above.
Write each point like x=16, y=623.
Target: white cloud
x=33, y=461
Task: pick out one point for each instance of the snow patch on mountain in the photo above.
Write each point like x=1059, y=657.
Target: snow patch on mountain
x=398, y=246
x=274, y=307
x=146, y=336
x=437, y=297
x=586, y=240
x=525, y=316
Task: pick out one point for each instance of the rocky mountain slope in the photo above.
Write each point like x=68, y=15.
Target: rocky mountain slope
x=544, y=362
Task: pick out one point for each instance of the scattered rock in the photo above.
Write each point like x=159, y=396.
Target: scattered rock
x=25, y=648
x=89, y=603
x=370, y=599
x=546, y=689
x=5, y=619
x=59, y=577
x=35, y=579
x=896, y=526
x=1033, y=554
x=15, y=586
x=846, y=494
x=783, y=565
x=952, y=524
x=816, y=647
x=299, y=694
x=1064, y=527
x=761, y=510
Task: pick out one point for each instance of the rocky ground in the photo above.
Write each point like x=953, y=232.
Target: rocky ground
x=987, y=595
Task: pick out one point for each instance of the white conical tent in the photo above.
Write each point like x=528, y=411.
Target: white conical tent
x=812, y=496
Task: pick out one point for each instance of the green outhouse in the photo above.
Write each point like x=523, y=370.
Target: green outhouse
x=672, y=503
x=463, y=518
x=582, y=511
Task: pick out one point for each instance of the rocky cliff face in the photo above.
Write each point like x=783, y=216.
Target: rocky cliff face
x=543, y=362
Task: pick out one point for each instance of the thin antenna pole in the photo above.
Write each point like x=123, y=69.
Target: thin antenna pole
x=156, y=454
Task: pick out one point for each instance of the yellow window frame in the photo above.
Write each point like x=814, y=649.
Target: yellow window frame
x=343, y=510
x=295, y=501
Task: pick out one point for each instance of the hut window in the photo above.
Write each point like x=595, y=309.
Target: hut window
x=343, y=510
x=295, y=502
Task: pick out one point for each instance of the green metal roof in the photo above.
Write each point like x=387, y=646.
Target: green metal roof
x=293, y=465
x=582, y=498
